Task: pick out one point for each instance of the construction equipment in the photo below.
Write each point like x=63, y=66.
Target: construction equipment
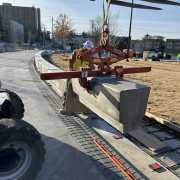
x=21, y=147
x=103, y=90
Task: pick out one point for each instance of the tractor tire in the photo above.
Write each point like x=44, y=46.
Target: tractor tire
x=21, y=150
x=12, y=108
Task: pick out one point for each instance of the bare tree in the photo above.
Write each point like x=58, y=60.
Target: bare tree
x=95, y=29
x=63, y=27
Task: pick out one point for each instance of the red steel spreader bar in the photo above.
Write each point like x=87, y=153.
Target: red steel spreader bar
x=92, y=73
x=132, y=70
x=67, y=75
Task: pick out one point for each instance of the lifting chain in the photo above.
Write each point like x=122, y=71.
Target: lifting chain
x=104, y=39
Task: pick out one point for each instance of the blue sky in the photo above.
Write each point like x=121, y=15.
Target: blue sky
x=165, y=23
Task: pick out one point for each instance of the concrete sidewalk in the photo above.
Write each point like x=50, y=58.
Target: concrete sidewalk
x=65, y=160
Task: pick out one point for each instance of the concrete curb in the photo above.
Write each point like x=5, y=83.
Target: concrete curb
x=43, y=66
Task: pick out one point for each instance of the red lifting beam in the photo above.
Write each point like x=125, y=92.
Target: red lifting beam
x=91, y=73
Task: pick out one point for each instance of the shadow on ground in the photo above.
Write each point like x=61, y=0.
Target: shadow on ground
x=65, y=162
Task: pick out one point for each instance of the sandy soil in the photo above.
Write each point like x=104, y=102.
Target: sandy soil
x=164, y=80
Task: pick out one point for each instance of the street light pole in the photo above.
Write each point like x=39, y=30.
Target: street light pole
x=130, y=28
x=130, y=24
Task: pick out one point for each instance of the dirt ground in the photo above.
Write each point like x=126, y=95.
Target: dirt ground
x=164, y=80
x=61, y=61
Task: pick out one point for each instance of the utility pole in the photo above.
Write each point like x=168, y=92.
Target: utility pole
x=52, y=29
x=130, y=28
x=130, y=24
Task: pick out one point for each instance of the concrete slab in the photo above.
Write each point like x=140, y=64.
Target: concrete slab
x=130, y=151
x=152, y=129
x=163, y=135
x=148, y=140
x=170, y=159
x=173, y=143
x=117, y=100
x=65, y=159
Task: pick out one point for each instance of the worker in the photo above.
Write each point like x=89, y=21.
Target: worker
x=76, y=62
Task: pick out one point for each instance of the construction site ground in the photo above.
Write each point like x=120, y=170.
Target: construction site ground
x=66, y=158
x=164, y=80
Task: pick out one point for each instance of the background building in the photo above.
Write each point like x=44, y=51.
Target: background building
x=137, y=45
x=149, y=43
x=29, y=17
x=11, y=31
x=16, y=32
x=173, y=46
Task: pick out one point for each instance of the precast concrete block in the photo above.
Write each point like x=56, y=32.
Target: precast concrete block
x=117, y=101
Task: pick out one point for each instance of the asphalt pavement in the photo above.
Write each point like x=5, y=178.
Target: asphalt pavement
x=65, y=159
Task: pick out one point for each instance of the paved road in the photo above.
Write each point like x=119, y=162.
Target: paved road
x=65, y=160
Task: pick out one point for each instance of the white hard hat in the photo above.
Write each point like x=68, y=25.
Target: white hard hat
x=88, y=45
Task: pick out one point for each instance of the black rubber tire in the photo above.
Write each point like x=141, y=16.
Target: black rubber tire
x=11, y=132
x=13, y=108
